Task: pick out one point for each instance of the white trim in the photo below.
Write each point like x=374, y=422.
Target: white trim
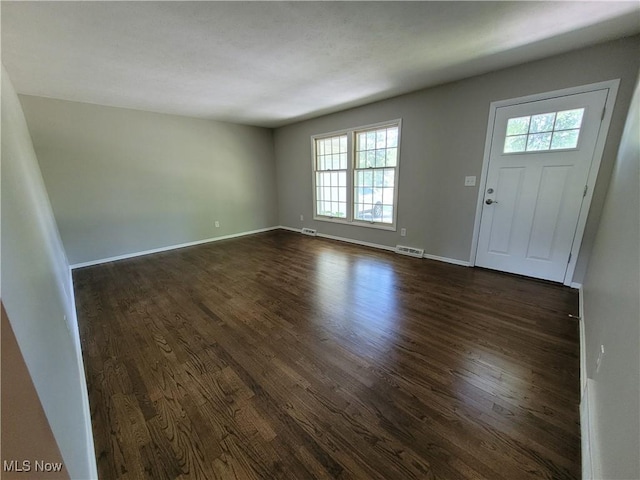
x=598, y=151
x=170, y=247
x=583, y=342
x=583, y=357
x=86, y=409
x=591, y=467
x=557, y=93
x=344, y=239
x=585, y=437
x=357, y=242
x=291, y=229
x=612, y=86
x=483, y=183
x=576, y=285
x=349, y=186
x=351, y=171
x=86, y=419
x=453, y=261
x=358, y=223
x=75, y=332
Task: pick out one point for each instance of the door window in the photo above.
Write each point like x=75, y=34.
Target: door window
x=545, y=131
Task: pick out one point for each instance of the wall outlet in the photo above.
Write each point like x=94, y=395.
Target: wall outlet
x=301, y=218
x=600, y=357
x=403, y=232
x=470, y=181
x=217, y=224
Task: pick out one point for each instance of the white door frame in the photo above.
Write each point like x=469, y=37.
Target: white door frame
x=612, y=86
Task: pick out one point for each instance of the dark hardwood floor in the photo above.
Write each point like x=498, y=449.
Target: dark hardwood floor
x=285, y=356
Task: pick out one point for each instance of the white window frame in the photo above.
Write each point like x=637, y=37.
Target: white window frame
x=314, y=159
x=351, y=164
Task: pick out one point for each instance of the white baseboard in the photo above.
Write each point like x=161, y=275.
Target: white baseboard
x=242, y=234
x=85, y=414
x=86, y=419
x=453, y=261
x=585, y=439
x=583, y=346
x=381, y=247
x=343, y=239
x=170, y=247
x=357, y=242
x=291, y=229
x=591, y=469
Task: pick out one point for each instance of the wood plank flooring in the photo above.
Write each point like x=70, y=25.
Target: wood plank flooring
x=284, y=356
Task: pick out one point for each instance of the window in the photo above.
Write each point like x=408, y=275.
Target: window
x=376, y=159
x=543, y=132
x=331, y=176
x=356, y=175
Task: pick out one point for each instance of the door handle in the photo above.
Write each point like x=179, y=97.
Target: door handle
x=488, y=201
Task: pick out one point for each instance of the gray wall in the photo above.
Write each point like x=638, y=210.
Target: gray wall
x=612, y=313
x=124, y=181
x=37, y=293
x=443, y=136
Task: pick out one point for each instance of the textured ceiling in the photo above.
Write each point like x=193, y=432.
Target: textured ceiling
x=272, y=63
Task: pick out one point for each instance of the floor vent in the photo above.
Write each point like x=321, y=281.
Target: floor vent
x=310, y=231
x=412, y=252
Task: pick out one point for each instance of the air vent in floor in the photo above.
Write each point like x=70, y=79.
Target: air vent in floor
x=412, y=252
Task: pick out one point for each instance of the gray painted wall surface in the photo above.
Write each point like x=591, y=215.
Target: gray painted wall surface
x=36, y=291
x=612, y=313
x=124, y=181
x=443, y=137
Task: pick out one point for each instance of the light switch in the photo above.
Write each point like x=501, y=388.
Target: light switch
x=470, y=181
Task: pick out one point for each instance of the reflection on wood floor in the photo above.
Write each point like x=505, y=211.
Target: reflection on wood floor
x=284, y=356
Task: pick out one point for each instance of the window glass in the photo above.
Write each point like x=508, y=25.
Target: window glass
x=331, y=176
x=543, y=132
x=374, y=179
x=356, y=174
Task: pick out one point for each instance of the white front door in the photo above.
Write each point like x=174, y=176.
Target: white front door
x=539, y=162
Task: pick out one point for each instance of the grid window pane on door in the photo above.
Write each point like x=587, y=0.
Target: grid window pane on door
x=544, y=132
x=331, y=176
x=376, y=161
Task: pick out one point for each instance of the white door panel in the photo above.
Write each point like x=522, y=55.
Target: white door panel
x=533, y=198
x=509, y=184
x=551, y=195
